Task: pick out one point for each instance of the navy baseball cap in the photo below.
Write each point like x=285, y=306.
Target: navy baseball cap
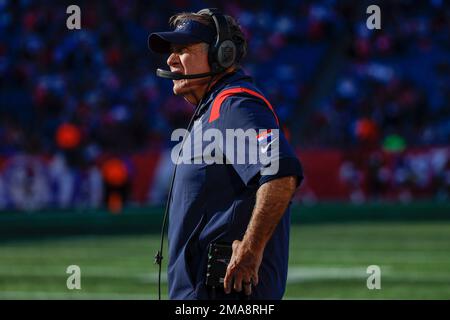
x=187, y=32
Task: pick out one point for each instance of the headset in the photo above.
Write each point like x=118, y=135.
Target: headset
x=221, y=55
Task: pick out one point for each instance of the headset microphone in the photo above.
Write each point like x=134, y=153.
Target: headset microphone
x=177, y=76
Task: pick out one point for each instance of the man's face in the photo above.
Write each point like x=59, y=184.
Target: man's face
x=189, y=59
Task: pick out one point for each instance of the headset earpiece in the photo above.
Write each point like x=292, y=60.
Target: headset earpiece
x=222, y=54
x=226, y=54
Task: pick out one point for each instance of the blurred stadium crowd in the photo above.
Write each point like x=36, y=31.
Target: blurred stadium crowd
x=77, y=108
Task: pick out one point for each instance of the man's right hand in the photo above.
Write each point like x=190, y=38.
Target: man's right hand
x=242, y=271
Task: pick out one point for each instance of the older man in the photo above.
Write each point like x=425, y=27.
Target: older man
x=243, y=204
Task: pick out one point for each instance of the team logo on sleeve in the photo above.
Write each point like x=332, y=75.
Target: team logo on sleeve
x=265, y=140
x=264, y=135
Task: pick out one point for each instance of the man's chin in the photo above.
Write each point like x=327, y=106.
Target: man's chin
x=180, y=88
x=177, y=91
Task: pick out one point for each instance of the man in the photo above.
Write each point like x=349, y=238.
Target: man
x=242, y=204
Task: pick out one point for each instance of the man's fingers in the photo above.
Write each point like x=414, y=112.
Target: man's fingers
x=238, y=282
x=227, y=280
x=247, y=287
x=255, y=279
x=238, y=276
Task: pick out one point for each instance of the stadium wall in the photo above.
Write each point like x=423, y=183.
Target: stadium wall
x=21, y=225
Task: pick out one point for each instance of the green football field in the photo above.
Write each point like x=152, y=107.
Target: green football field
x=327, y=261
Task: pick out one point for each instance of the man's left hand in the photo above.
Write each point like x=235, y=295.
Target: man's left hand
x=242, y=271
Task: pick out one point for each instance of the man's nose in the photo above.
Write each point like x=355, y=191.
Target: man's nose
x=172, y=59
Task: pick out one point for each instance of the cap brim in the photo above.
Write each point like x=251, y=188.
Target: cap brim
x=160, y=42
